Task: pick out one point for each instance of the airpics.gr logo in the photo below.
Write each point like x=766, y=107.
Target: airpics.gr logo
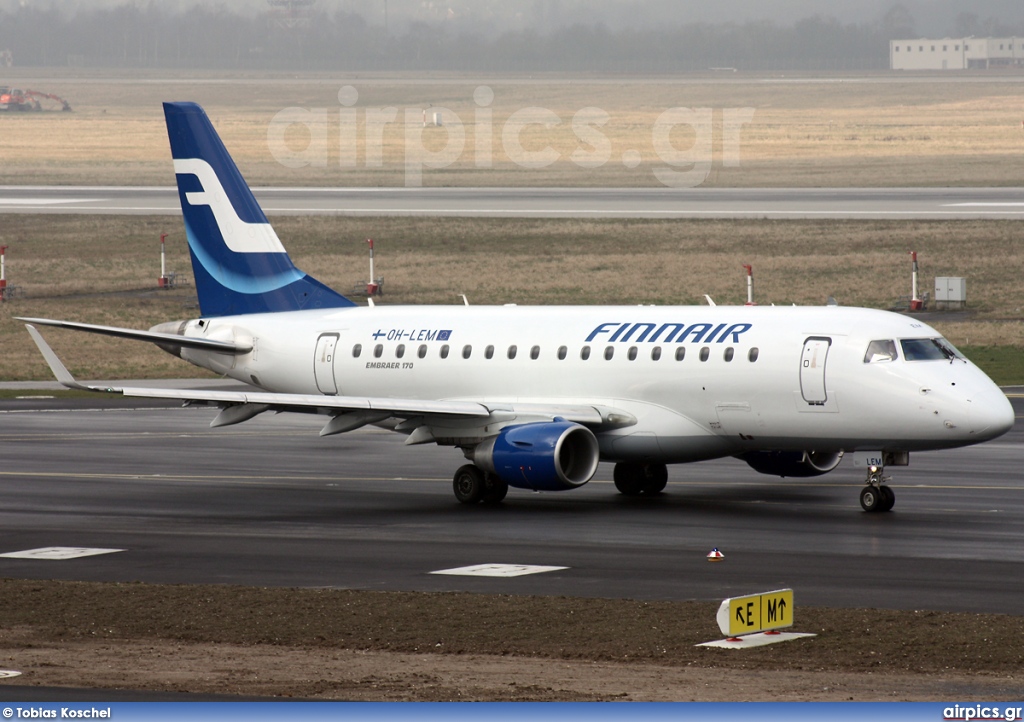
x=981, y=712
x=364, y=133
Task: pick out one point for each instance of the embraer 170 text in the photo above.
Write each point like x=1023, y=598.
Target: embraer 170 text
x=536, y=397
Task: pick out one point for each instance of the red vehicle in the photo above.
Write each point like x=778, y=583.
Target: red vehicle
x=15, y=99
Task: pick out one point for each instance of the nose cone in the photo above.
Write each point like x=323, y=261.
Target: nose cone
x=991, y=415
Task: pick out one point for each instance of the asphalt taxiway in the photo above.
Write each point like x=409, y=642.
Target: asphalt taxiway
x=268, y=502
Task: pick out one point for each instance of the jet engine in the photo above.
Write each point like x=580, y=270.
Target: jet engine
x=793, y=463
x=544, y=456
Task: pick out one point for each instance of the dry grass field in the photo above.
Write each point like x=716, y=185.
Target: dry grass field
x=103, y=270
x=876, y=130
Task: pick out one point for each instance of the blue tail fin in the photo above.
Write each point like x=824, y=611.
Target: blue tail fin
x=239, y=263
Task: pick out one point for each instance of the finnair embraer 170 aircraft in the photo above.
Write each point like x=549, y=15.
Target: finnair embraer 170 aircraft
x=536, y=397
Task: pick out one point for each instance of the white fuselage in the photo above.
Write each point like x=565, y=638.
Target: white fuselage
x=702, y=382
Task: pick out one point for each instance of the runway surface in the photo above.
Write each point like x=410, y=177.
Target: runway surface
x=867, y=203
x=270, y=503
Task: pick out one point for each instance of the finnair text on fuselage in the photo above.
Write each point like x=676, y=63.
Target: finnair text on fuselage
x=674, y=332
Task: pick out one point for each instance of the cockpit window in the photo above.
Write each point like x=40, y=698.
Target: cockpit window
x=928, y=349
x=878, y=351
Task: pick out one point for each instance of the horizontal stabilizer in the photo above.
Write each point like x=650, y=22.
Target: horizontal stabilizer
x=161, y=339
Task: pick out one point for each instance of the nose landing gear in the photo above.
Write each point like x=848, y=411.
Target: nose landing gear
x=877, y=495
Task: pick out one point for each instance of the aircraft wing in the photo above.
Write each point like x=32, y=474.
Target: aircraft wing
x=350, y=412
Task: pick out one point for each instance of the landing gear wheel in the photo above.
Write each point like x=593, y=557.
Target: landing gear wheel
x=633, y=479
x=468, y=484
x=656, y=479
x=629, y=478
x=877, y=496
x=495, y=489
x=871, y=498
x=888, y=498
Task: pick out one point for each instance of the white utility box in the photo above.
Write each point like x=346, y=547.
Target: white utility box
x=950, y=293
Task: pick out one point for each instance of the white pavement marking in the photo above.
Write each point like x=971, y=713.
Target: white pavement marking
x=497, y=570
x=46, y=201
x=755, y=640
x=58, y=553
x=7, y=673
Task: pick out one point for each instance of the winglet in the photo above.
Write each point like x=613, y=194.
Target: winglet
x=57, y=366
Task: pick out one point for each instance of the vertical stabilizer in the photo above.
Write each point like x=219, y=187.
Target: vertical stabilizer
x=238, y=261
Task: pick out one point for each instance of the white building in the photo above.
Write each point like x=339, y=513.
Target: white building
x=955, y=53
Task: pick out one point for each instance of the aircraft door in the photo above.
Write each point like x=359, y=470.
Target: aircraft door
x=323, y=363
x=812, y=370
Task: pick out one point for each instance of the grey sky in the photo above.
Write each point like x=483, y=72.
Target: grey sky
x=931, y=17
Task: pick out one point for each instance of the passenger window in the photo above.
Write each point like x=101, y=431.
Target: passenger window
x=752, y=355
x=356, y=350
x=422, y=352
x=656, y=353
x=680, y=353
x=705, y=352
x=632, y=353
x=879, y=351
x=378, y=350
x=467, y=351
x=535, y=352
x=562, y=351
x=400, y=350
x=609, y=351
x=489, y=352
x=444, y=351
x=728, y=354
x=585, y=353
x=512, y=351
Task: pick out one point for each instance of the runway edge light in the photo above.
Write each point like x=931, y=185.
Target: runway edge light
x=3, y=274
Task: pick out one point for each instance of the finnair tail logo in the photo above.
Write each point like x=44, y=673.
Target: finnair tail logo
x=239, y=236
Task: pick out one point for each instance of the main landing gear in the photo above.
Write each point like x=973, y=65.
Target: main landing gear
x=635, y=478
x=472, y=485
x=877, y=495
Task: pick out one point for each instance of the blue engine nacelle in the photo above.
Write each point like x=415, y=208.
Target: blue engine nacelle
x=793, y=463
x=545, y=456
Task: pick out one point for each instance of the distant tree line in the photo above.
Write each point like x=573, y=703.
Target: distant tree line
x=213, y=38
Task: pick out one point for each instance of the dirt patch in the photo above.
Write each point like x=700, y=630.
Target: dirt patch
x=358, y=645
